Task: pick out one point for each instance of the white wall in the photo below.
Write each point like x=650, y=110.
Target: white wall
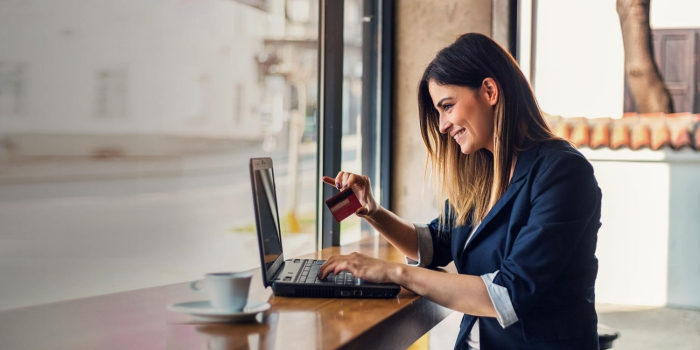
x=649, y=242
x=684, y=235
x=675, y=14
x=579, y=60
x=633, y=240
x=579, y=57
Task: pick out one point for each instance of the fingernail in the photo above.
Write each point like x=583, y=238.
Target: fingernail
x=337, y=185
x=346, y=186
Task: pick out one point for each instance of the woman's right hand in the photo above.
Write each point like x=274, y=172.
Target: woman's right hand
x=362, y=188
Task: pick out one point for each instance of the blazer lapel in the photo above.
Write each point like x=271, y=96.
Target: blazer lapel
x=460, y=235
x=522, y=167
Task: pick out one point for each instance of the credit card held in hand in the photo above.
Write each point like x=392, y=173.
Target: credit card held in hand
x=343, y=204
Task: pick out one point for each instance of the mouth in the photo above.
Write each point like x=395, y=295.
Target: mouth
x=459, y=135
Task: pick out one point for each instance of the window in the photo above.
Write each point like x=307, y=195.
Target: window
x=130, y=168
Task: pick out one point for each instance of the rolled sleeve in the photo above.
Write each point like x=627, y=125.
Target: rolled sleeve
x=425, y=247
x=500, y=298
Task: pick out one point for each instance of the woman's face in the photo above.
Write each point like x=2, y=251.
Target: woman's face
x=466, y=114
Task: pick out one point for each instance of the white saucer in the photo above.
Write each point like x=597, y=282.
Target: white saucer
x=203, y=311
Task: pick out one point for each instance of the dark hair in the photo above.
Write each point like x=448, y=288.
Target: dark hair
x=476, y=181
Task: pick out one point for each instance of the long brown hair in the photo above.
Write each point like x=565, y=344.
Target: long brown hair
x=473, y=183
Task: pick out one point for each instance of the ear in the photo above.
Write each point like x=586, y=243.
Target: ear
x=490, y=91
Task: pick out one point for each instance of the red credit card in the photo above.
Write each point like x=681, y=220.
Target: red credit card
x=343, y=204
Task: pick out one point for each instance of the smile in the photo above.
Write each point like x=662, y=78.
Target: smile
x=459, y=135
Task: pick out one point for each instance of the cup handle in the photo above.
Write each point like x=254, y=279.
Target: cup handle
x=194, y=286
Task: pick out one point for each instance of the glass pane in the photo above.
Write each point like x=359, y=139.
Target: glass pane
x=352, y=106
x=126, y=128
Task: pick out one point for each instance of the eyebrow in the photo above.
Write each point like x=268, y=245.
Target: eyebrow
x=439, y=104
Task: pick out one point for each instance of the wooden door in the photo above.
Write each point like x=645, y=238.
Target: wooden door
x=676, y=53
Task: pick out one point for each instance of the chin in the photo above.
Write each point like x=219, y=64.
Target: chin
x=467, y=149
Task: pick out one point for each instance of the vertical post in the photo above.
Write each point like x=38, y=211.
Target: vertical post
x=526, y=14
x=386, y=81
x=504, y=22
x=377, y=59
x=370, y=116
x=330, y=108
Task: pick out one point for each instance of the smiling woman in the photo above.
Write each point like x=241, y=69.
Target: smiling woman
x=520, y=217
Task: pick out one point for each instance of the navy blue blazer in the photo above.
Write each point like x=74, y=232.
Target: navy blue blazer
x=541, y=235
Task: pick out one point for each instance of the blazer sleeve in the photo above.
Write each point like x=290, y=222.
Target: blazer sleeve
x=564, y=199
x=441, y=236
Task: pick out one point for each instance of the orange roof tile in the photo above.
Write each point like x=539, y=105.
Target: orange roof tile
x=635, y=131
x=580, y=134
x=660, y=137
x=600, y=136
x=620, y=136
x=641, y=137
x=562, y=130
x=681, y=138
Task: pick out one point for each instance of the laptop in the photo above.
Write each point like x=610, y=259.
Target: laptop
x=297, y=277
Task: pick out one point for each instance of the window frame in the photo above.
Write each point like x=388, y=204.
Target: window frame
x=377, y=51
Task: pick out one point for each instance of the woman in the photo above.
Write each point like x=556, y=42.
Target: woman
x=521, y=213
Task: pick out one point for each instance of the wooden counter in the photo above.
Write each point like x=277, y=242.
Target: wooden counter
x=138, y=319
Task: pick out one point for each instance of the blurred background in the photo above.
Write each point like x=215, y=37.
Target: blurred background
x=126, y=128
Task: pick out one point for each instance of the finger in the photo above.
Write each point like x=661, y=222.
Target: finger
x=327, y=267
x=346, y=179
x=330, y=181
x=362, y=211
x=339, y=180
x=342, y=266
x=354, y=179
x=350, y=263
x=359, y=180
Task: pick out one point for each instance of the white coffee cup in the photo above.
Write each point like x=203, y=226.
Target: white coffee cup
x=226, y=290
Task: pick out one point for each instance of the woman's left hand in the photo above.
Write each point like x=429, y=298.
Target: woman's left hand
x=361, y=266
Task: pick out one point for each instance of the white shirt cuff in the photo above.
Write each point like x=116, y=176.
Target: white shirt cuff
x=500, y=300
x=425, y=247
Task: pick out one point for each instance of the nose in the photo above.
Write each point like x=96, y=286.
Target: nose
x=444, y=124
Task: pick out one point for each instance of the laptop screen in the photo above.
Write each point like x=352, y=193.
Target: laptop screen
x=267, y=217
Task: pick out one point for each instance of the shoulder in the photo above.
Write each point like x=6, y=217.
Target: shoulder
x=560, y=175
x=554, y=149
x=559, y=156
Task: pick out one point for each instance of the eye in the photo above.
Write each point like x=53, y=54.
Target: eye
x=446, y=107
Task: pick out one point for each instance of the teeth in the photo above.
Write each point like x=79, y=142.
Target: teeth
x=459, y=134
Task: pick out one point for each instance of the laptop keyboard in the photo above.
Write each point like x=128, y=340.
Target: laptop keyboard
x=309, y=274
